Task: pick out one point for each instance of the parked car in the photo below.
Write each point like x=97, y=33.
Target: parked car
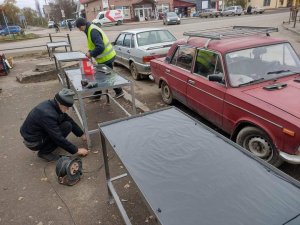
x=135, y=48
x=232, y=11
x=254, y=10
x=257, y=10
x=209, y=13
x=170, y=18
x=247, y=86
x=11, y=30
x=50, y=24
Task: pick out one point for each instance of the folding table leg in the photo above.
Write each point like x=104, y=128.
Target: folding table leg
x=84, y=121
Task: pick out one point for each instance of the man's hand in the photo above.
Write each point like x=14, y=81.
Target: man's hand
x=88, y=55
x=82, y=151
x=83, y=137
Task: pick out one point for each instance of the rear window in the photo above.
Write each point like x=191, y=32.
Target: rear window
x=154, y=37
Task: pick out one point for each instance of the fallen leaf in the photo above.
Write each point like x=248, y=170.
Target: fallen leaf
x=20, y=198
x=126, y=186
x=59, y=207
x=44, y=179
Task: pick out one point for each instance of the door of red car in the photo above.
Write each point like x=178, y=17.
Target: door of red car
x=178, y=71
x=205, y=96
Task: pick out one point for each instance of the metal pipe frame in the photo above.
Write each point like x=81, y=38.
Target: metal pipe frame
x=112, y=193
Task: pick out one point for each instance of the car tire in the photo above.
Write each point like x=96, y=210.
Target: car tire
x=258, y=142
x=134, y=72
x=166, y=93
x=119, y=22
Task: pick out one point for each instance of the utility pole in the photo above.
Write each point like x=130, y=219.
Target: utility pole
x=5, y=20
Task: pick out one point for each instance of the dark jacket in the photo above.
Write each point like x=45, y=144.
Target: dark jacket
x=97, y=39
x=44, y=120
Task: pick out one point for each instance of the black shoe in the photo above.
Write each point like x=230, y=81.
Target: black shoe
x=48, y=157
x=119, y=95
x=96, y=98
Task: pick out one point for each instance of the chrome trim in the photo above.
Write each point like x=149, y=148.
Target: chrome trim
x=176, y=78
x=205, y=92
x=293, y=159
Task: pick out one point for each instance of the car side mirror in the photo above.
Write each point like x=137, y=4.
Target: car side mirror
x=113, y=43
x=167, y=59
x=219, y=77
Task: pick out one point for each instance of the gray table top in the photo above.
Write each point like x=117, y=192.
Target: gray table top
x=104, y=81
x=57, y=44
x=191, y=175
x=69, y=56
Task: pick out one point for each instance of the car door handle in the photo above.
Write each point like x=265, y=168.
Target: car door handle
x=191, y=82
x=167, y=70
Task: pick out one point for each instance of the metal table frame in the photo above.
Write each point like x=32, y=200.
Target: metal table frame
x=88, y=93
x=57, y=44
x=66, y=57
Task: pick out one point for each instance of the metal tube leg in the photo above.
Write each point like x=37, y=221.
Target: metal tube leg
x=133, y=98
x=84, y=121
x=106, y=165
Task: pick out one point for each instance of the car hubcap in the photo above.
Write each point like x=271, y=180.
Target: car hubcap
x=259, y=147
x=166, y=92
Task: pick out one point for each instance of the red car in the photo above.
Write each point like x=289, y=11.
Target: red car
x=245, y=82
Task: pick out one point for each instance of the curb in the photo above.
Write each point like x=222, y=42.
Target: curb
x=290, y=28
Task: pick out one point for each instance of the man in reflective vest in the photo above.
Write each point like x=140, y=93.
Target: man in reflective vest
x=99, y=48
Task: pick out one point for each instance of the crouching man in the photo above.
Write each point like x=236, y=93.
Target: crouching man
x=47, y=126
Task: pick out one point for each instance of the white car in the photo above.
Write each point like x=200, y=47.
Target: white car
x=232, y=11
x=50, y=24
x=135, y=48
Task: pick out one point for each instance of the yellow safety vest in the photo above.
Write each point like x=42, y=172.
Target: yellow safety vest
x=108, y=52
x=204, y=57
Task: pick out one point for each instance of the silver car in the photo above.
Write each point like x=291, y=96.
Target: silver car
x=232, y=11
x=171, y=18
x=135, y=48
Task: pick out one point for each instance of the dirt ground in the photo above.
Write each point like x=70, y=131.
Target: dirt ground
x=30, y=193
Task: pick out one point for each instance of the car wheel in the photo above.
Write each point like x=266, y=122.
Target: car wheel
x=134, y=72
x=257, y=142
x=166, y=93
x=119, y=22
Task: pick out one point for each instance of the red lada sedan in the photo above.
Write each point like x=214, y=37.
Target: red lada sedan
x=246, y=83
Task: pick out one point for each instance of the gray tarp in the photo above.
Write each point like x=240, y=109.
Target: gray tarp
x=195, y=177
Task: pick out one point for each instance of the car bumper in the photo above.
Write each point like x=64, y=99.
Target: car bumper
x=143, y=68
x=293, y=159
x=173, y=22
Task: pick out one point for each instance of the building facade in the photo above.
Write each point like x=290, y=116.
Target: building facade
x=140, y=10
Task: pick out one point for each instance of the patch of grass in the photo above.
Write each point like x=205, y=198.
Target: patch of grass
x=18, y=37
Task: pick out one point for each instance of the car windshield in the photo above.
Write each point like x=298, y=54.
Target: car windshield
x=261, y=63
x=171, y=14
x=154, y=37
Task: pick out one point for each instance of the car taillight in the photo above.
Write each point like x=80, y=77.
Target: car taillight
x=148, y=58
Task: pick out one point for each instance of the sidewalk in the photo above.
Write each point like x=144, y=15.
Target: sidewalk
x=290, y=27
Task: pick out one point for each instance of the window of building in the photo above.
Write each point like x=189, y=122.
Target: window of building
x=267, y=2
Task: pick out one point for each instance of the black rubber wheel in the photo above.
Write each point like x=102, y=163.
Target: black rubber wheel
x=119, y=22
x=258, y=142
x=166, y=93
x=134, y=72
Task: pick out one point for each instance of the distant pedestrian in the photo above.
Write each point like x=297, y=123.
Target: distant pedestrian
x=48, y=124
x=56, y=26
x=69, y=25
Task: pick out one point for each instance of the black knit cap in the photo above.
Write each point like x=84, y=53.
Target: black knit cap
x=65, y=97
x=80, y=22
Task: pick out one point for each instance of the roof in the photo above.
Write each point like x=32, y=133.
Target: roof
x=233, y=44
x=181, y=3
